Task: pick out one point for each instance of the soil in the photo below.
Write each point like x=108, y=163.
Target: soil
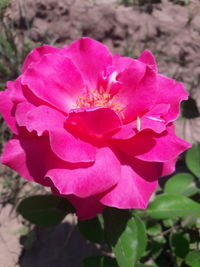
x=171, y=31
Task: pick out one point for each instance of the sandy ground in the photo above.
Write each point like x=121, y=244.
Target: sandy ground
x=171, y=31
x=58, y=246
x=10, y=227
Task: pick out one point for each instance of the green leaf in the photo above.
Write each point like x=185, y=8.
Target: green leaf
x=99, y=261
x=193, y=159
x=170, y=222
x=193, y=258
x=153, y=228
x=171, y=205
x=4, y=4
x=92, y=230
x=182, y=183
x=44, y=210
x=155, y=246
x=179, y=244
x=126, y=235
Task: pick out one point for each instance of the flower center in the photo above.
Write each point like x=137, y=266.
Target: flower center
x=96, y=98
x=102, y=96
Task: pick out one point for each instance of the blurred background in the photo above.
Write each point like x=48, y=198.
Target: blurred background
x=171, y=30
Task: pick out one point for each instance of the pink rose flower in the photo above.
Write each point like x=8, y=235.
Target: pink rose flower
x=95, y=128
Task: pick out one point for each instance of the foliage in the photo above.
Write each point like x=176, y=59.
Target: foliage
x=181, y=2
x=4, y=4
x=44, y=210
x=99, y=261
x=11, y=54
x=193, y=160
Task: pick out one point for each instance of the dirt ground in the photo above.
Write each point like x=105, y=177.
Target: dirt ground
x=171, y=31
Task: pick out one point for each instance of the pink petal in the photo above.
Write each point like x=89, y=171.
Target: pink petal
x=63, y=144
x=168, y=167
x=31, y=98
x=153, y=123
x=26, y=155
x=91, y=57
x=21, y=112
x=86, y=208
x=21, y=93
x=33, y=118
x=36, y=54
x=138, y=92
x=7, y=108
x=138, y=181
x=127, y=131
x=87, y=181
x=69, y=148
x=32, y=157
x=167, y=147
x=56, y=80
x=148, y=58
x=93, y=122
x=123, y=63
x=152, y=120
x=16, y=93
x=149, y=146
x=171, y=93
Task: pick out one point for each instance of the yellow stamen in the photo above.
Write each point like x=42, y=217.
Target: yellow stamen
x=96, y=98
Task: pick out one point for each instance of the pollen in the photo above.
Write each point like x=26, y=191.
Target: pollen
x=99, y=98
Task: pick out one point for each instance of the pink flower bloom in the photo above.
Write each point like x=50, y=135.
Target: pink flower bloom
x=96, y=128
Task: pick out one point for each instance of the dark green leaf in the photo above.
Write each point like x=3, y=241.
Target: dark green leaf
x=193, y=159
x=170, y=222
x=179, y=244
x=91, y=230
x=193, y=258
x=44, y=210
x=153, y=228
x=156, y=246
x=189, y=107
x=171, y=205
x=182, y=183
x=126, y=235
x=99, y=261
